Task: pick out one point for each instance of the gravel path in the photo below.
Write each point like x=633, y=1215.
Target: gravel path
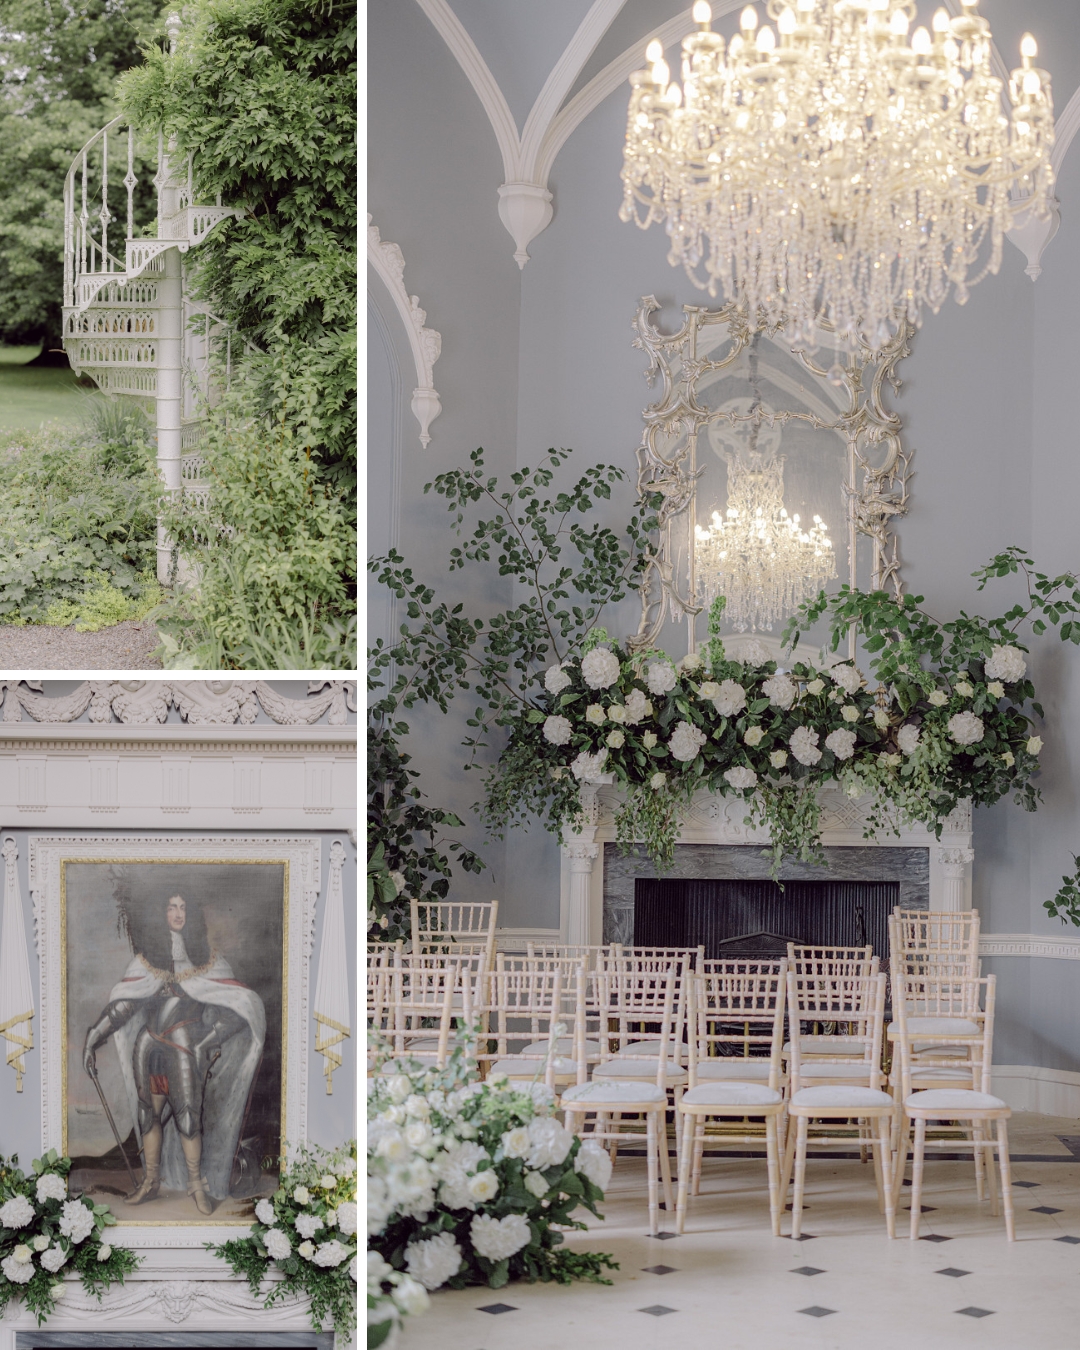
x=125, y=646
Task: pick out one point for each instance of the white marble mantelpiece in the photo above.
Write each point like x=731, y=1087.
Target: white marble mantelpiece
x=715, y=819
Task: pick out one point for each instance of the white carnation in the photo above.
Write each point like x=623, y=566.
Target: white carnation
x=496, y=1239
x=660, y=677
x=331, y=1253
x=780, y=690
x=16, y=1213
x=965, y=728
x=754, y=735
x=536, y=1185
x=1006, y=664
x=484, y=1186
x=730, y=698
x=841, y=743
x=594, y=1162
x=847, y=677
x=637, y=706
x=804, y=745
x=599, y=668
x=51, y=1187
x=557, y=729
x=409, y=1296
x=434, y=1260
x=907, y=738
x=76, y=1221
x=18, y=1272
x=686, y=741
x=549, y=1143
x=277, y=1244
x=307, y=1225
x=741, y=777
x=53, y=1259
x=346, y=1217
x=556, y=679
x=589, y=766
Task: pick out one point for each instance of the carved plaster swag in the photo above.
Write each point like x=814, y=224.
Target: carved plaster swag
x=199, y=702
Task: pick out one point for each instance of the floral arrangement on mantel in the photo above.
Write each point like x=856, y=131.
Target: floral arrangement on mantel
x=45, y=1232
x=470, y=1183
x=307, y=1231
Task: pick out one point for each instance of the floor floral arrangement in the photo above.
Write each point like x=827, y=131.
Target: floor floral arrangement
x=307, y=1231
x=470, y=1183
x=45, y=1232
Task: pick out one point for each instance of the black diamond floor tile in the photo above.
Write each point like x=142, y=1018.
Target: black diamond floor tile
x=658, y=1310
x=952, y=1270
x=1027, y=1185
x=924, y=1209
x=1045, y=1209
x=817, y=1312
x=659, y=1270
x=803, y=1237
x=663, y=1237
x=975, y=1312
x=807, y=1270
x=934, y=1237
x=1067, y=1238
x=791, y=1206
x=497, y=1308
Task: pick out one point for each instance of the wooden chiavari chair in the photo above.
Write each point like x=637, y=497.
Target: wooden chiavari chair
x=523, y=1007
x=454, y=928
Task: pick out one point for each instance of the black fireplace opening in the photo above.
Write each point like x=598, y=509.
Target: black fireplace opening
x=752, y=919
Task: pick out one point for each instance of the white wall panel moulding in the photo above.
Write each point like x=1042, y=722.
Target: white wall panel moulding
x=1030, y=944
x=1030, y=1087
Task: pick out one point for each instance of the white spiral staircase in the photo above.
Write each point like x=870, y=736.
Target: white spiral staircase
x=129, y=323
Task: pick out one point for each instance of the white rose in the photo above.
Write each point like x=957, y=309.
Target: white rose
x=881, y=718
x=815, y=687
x=657, y=781
x=53, y=1259
x=410, y=1296
x=907, y=738
x=398, y=878
x=595, y=714
x=586, y=765
x=686, y=741
x=104, y=1252
x=76, y=1221
x=536, y=1185
x=556, y=679
x=937, y=698
x=18, y=1272
x=741, y=777
x=847, y=677
x=346, y=1217
x=484, y=1186
x=277, y=1244
x=780, y=690
x=496, y=1239
x=549, y=1143
x=965, y=728
x=516, y=1142
x=1009, y=759
x=23, y=1254
x=1034, y=745
x=306, y=1250
x=417, y=1106
x=995, y=689
x=615, y=739
x=849, y=712
x=398, y=1088
x=660, y=677
x=778, y=759
x=40, y=1243
x=327, y=1181
x=708, y=690
x=16, y=1213
x=1006, y=663
x=594, y=1161
x=841, y=743
x=417, y=1134
x=599, y=668
x=433, y=1261
x=754, y=735
x=691, y=661
x=637, y=706
x=51, y=1187
x=616, y=713
x=890, y=761
x=964, y=689
x=649, y=740
x=803, y=744
x=730, y=699
x=557, y=730
x=331, y=1253
x=307, y=1225
x=58, y=1291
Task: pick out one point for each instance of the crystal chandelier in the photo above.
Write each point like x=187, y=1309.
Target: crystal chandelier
x=834, y=170
x=760, y=558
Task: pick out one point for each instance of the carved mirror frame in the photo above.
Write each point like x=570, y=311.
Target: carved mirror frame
x=875, y=488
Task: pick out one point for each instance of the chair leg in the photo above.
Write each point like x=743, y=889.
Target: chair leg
x=690, y=1123
x=772, y=1153
x=900, y=1165
x=1006, y=1178
x=789, y=1160
x=699, y=1153
x=917, y=1155
x=665, y=1161
x=650, y=1157
x=980, y=1165
x=991, y=1170
x=879, y=1176
x=800, y=1176
x=885, y=1129
x=616, y=1119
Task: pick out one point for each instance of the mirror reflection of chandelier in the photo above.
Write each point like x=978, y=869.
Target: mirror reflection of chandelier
x=835, y=169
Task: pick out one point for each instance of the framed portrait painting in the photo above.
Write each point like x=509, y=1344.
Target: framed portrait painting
x=174, y=1021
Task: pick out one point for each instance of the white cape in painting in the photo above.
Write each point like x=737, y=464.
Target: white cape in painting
x=228, y=1088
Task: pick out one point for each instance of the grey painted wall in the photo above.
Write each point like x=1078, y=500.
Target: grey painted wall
x=544, y=358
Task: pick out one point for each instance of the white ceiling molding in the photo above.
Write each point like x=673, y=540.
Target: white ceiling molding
x=388, y=260
x=525, y=204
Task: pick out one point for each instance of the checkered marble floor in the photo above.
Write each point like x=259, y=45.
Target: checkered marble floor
x=727, y=1283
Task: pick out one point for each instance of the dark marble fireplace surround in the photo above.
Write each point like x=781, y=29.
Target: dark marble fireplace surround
x=908, y=867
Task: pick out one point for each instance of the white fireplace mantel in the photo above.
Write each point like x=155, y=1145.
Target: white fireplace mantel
x=716, y=819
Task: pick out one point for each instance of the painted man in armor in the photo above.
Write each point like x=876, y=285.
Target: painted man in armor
x=179, y=1020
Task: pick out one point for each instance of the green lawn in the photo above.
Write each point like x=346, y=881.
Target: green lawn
x=30, y=397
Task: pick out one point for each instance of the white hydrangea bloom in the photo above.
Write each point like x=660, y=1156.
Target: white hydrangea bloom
x=599, y=668
x=907, y=738
x=937, y=698
x=556, y=679
x=741, y=777
x=804, y=745
x=557, y=729
x=589, y=766
x=18, y=1272
x=76, y=1221
x=331, y=1253
x=16, y=1213
x=307, y=1225
x=346, y=1217
x=965, y=728
x=594, y=1161
x=841, y=743
x=686, y=741
x=731, y=699
x=264, y=1212
x=637, y=707
x=53, y=1259
x=409, y=1296
x=1007, y=664
x=433, y=1261
x=51, y=1187
x=549, y=1143
x=452, y=1170
x=277, y=1244
x=754, y=653
x=660, y=676
x=780, y=690
x=847, y=677
x=496, y=1239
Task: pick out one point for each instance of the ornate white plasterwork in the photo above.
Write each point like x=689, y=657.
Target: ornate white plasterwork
x=200, y=702
x=304, y=856
x=425, y=343
x=1030, y=944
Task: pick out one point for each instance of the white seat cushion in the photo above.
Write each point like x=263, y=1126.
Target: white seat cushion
x=730, y=1094
x=741, y=1070
x=600, y=1093
x=938, y=1026
x=831, y=1096
x=429, y=1045
x=930, y=1071
x=817, y=1068
x=534, y=1068
x=646, y=1047
x=639, y=1068
x=950, y=1100
x=823, y=1045
x=563, y=1046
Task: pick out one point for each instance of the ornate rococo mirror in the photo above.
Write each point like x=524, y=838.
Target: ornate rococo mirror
x=780, y=468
